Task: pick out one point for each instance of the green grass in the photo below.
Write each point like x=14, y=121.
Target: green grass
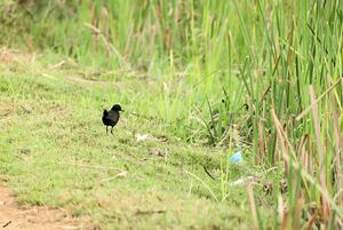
x=55, y=152
x=185, y=70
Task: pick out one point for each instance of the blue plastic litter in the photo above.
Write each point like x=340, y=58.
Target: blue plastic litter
x=236, y=157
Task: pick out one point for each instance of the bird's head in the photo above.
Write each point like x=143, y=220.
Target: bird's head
x=117, y=107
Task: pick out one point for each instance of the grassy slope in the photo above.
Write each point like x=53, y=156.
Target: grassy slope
x=55, y=152
x=183, y=59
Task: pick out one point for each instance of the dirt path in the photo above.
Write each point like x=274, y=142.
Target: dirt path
x=36, y=218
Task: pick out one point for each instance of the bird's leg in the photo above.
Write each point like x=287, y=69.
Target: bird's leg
x=106, y=129
x=112, y=130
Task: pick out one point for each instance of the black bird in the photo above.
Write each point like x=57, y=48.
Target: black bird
x=111, y=118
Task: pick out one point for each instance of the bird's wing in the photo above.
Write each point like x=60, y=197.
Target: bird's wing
x=114, y=115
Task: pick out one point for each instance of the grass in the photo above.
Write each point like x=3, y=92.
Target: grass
x=213, y=77
x=55, y=152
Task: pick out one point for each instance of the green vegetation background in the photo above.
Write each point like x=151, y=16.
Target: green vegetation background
x=199, y=80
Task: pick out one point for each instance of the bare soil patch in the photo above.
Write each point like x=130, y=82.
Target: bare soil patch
x=13, y=216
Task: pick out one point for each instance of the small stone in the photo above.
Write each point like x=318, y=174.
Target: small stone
x=157, y=152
